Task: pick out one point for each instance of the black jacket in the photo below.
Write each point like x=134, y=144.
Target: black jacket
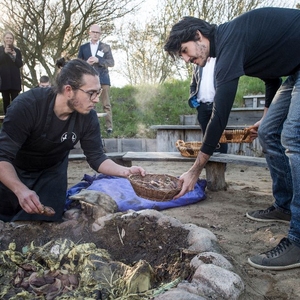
x=105, y=57
x=268, y=52
x=10, y=71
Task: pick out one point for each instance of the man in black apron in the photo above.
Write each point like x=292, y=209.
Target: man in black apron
x=40, y=128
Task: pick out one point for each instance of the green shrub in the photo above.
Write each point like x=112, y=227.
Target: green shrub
x=248, y=86
x=137, y=108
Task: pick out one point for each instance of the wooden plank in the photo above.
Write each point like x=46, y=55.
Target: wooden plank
x=175, y=127
x=117, y=157
x=244, y=117
x=166, y=139
x=80, y=156
x=193, y=127
x=155, y=156
x=176, y=156
x=239, y=159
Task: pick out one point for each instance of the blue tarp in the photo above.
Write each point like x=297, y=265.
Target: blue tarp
x=122, y=192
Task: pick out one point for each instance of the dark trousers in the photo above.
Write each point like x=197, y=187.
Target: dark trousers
x=49, y=184
x=7, y=97
x=204, y=113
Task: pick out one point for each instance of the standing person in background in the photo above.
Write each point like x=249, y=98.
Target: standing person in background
x=202, y=93
x=44, y=81
x=10, y=64
x=99, y=55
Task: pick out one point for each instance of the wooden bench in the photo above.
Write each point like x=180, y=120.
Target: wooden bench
x=117, y=157
x=215, y=167
x=167, y=135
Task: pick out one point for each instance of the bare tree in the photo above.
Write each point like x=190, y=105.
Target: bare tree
x=146, y=62
x=47, y=30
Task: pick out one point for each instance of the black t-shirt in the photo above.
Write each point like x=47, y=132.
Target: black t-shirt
x=33, y=138
x=263, y=43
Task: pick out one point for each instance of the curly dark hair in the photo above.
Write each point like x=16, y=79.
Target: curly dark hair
x=186, y=30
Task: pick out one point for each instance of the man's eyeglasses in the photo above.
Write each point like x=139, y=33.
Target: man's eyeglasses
x=97, y=32
x=93, y=94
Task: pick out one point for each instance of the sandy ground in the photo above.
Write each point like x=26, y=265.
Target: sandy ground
x=223, y=213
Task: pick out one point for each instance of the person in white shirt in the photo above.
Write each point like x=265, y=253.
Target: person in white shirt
x=202, y=93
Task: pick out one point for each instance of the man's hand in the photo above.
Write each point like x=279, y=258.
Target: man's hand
x=92, y=60
x=135, y=170
x=30, y=202
x=254, y=131
x=254, y=127
x=27, y=198
x=188, y=180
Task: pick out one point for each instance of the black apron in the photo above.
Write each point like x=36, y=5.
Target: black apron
x=29, y=160
x=47, y=178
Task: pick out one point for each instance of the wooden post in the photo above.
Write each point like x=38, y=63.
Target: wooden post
x=215, y=176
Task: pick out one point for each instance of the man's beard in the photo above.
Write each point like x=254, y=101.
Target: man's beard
x=71, y=103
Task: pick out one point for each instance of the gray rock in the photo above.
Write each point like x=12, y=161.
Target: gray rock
x=218, y=283
x=95, y=204
x=211, y=258
x=200, y=239
x=178, y=294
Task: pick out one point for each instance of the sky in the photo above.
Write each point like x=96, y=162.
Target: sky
x=117, y=80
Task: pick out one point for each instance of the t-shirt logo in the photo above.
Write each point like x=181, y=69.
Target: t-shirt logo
x=64, y=137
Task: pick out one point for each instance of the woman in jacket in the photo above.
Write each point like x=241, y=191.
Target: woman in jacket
x=10, y=64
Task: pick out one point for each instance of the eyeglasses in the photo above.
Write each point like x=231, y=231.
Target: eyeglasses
x=97, y=32
x=93, y=94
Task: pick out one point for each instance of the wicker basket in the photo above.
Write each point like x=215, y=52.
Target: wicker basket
x=157, y=187
x=188, y=149
x=236, y=136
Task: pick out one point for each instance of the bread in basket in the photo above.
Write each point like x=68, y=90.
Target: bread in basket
x=188, y=149
x=157, y=187
x=236, y=136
